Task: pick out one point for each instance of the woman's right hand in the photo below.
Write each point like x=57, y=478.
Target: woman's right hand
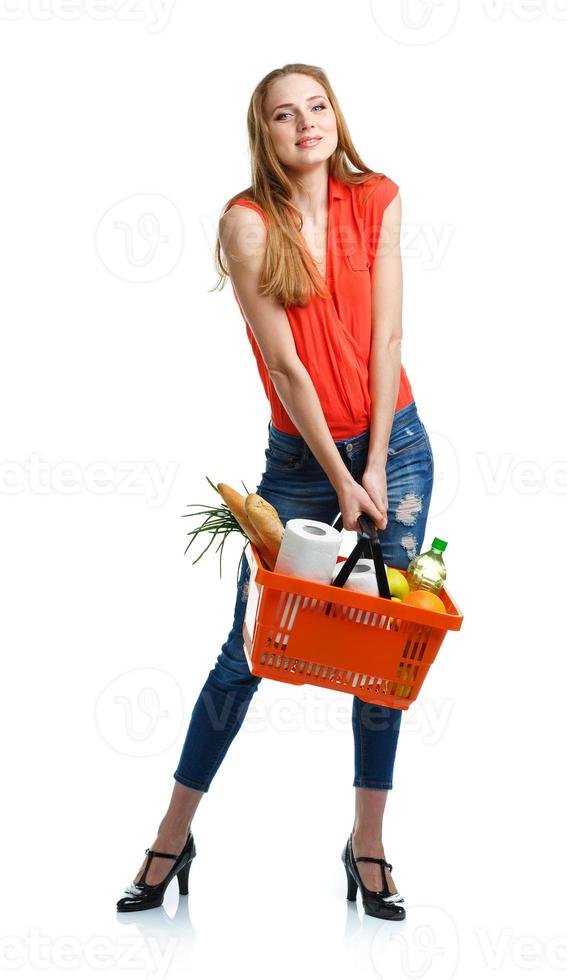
x=353, y=501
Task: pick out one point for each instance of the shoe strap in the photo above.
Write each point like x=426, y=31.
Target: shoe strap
x=152, y=854
x=384, y=864
x=375, y=861
x=161, y=854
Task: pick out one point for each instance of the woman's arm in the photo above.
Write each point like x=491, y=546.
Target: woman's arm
x=243, y=236
x=385, y=355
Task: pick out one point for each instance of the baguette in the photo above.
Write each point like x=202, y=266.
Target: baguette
x=235, y=503
x=266, y=522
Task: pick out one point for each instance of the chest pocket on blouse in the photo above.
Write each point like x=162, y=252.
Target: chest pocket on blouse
x=358, y=262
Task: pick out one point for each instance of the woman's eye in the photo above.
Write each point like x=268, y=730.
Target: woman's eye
x=319, y=106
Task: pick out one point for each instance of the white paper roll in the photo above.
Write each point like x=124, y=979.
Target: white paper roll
x=309, y=550
x=362, y=578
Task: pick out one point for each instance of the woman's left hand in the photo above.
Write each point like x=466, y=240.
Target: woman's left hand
x=374, y=482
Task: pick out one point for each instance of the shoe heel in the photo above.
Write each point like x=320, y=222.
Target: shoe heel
x=183, y=879
x=352, y=886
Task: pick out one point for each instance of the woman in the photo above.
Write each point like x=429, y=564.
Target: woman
x=312, y=249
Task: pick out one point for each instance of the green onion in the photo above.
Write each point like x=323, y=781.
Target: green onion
x=219, y=522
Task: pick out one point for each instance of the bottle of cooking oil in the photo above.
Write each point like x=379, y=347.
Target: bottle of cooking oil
x=427, y=571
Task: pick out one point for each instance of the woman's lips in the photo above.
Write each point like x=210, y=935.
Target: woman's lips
x=307, y=144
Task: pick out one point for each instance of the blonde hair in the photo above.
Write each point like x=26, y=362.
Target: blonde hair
x=288, y=272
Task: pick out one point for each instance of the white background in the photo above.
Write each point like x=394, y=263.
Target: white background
x=116, y=355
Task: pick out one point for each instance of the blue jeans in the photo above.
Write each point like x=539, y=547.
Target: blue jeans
x=295, y=483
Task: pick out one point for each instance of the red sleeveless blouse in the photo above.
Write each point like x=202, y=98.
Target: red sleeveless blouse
x=333, y=336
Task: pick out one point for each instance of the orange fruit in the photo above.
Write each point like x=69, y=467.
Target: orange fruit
x=425, y=600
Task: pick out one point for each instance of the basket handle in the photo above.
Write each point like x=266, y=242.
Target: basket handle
x=370, y=540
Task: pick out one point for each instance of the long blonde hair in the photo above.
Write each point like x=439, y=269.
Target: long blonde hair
x=288, y=272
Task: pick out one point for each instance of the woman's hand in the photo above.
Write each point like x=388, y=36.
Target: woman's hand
x=375, y=484
x=353, y=501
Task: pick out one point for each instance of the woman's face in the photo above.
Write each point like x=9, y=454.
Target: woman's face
x=297, y=109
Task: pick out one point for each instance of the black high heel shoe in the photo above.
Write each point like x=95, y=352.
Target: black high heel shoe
x=139, y=895
x=380, y=904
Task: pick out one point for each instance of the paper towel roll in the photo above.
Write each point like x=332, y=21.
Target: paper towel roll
x=309, y=550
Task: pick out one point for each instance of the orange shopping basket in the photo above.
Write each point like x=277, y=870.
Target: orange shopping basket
x=302, y=632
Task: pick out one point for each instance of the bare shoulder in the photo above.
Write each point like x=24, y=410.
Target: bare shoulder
x=393, y=204
x=242, y=215
x=242, y=232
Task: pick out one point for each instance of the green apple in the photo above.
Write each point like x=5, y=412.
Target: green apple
x=391, y=622
x=398, y=583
